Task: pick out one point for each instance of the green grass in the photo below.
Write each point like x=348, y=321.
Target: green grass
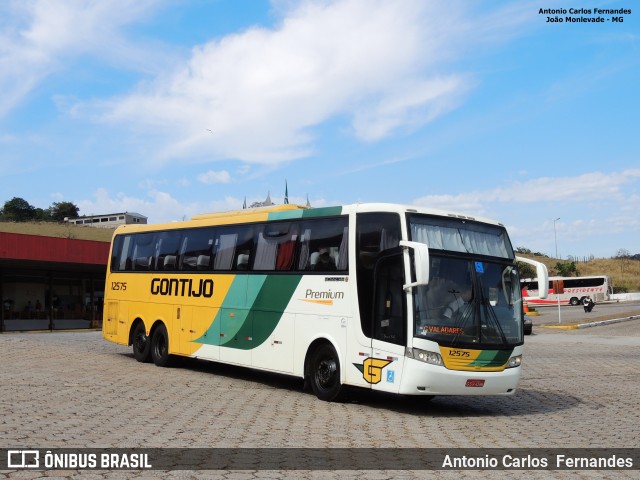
x=49, y=229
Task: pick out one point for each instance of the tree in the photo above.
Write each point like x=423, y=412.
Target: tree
x=18, y=210
x=567, y=269
x=526, y=270
x=61, y=210
x=41, y=215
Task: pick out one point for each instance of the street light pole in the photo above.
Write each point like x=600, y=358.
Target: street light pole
x=555, y=237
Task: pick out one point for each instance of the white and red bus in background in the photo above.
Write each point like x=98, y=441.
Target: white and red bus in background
x=568, y=290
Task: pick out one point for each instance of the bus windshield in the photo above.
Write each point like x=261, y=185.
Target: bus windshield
x=469, y=303
x=461, y=236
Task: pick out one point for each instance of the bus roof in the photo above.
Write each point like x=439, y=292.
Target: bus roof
x=293, y=211
x=249, y=211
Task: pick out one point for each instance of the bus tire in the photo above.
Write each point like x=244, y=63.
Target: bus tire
x=325, y=373
x=141, y=343
x=574, y=301
x=160, y=346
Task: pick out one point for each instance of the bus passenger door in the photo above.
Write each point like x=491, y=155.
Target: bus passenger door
x=381, y=307
x=389, y=324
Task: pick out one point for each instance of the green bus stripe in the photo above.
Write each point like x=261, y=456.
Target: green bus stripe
x=308, y=213
x=274, y=296
x=492, y=358
x=267, y=296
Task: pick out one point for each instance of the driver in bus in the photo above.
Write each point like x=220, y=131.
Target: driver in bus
x=462, y=298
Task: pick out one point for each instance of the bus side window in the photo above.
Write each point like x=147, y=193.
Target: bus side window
x=275, y=247
x=143, y=251
x=245, y=247
x=196, y=249
x=287, y=252
x=389, y=323
x=119, y=253
x=375, y=233
x=324, y=245
x=224, y=248
x=167, y=247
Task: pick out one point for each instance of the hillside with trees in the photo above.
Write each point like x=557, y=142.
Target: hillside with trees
x=18, y=216
x=19, y=210
x=623, y=269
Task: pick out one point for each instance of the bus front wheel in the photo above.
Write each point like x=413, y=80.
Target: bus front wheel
x=160, y=347
x=141, y=343
x=325, y=373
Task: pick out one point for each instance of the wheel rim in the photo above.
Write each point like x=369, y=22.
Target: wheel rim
x=140, y=341
x=326, y=372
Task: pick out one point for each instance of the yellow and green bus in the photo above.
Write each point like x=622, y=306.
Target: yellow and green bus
x=387, y=297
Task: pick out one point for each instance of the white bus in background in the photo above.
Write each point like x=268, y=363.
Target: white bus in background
x=569, y=290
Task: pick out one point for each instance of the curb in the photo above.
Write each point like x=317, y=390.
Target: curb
x=592, y=324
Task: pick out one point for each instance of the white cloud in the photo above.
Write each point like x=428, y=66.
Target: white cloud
x=243, y=169
x=383, y=64
x=159, y=206
x=594, y=209
x=257, y=95
x=411, y=104
x=591, y=186
x=212, y=177
x=37, y=38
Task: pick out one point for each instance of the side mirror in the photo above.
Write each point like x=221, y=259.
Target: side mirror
x=420, y=262
x=543, y=277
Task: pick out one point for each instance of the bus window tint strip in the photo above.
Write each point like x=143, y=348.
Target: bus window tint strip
x=304, y=245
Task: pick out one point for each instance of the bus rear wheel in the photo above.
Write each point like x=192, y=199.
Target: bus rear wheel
x=574, y=301
x=325, y=373
x=160, y=346
x=141, y=343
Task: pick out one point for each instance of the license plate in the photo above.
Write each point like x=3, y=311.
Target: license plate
x=474, y=383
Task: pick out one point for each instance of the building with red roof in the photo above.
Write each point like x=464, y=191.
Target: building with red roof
x=51, y=283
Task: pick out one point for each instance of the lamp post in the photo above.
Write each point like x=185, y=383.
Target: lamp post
x=555, y=237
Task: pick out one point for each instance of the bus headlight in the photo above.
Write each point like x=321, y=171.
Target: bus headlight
x=424, y=356
x=515, y=361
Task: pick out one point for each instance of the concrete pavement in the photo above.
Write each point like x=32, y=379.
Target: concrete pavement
x=75, y=390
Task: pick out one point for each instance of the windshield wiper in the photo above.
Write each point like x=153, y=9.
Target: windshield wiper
x=491, y=315
x=462, y=317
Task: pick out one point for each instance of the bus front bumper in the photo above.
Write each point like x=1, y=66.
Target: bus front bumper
x=421, y=378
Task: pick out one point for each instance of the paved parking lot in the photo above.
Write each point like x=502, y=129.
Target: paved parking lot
x=551, y=315
x=580, y=388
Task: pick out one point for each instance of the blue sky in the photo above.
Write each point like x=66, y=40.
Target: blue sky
x=171, y=108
